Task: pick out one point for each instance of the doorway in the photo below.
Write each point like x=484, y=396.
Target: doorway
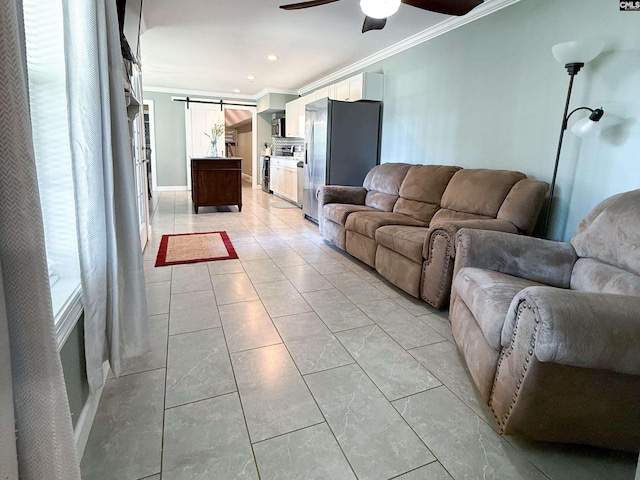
x=238, y=139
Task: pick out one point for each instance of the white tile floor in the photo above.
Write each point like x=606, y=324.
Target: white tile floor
x=297, y=361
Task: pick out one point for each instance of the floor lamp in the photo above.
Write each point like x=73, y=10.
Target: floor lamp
x=573, y=55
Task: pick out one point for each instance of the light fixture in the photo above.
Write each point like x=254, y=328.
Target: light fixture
x=272, y=57
x=379, y=8
x=573, y=55
x=251, y=78
x=587, y=126
x=236, y=90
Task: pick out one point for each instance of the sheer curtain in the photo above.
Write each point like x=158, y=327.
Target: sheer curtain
x=113, y=292
x=36, y=439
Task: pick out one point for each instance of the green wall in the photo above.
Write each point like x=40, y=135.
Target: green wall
x=74, y=368
x=171, y=147
x=490, y=94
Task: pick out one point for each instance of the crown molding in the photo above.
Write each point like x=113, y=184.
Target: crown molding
x=487, y=8
x=202, y=93
x=235, y=96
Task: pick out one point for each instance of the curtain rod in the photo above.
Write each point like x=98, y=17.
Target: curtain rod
x=213, y=102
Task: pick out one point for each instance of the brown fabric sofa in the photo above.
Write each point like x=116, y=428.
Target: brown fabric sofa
x=404, y=218
x=551, y=331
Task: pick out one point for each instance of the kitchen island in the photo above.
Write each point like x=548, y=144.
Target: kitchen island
x=216, y=181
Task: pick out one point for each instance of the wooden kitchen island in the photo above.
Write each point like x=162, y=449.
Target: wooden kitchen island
x=216, y=181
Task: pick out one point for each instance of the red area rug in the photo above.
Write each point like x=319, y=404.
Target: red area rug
x=194, y=247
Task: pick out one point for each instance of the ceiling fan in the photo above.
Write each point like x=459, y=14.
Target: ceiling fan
x=377, y=11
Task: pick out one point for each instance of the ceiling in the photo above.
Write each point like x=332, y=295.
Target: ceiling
x=212, y=46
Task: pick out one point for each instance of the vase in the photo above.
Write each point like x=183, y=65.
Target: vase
x=214, y=148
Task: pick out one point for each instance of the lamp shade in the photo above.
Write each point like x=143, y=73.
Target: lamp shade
x=379, y=8
x=585, y=128
x=588, y=126
x=581, y=51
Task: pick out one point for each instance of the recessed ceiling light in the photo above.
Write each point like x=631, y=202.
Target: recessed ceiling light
x=272, y=57
x=251, y=77
x=236, y=90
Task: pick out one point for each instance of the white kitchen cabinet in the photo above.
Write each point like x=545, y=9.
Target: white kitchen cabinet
x=321, y=93
x=284, y=177
x=342, y=91
x=292, y=112
x=364, y=86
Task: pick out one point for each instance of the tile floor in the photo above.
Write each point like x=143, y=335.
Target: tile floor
x=296, y=361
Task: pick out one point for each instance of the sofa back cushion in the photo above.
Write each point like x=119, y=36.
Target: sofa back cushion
x=383, y=185
x=611, y=232
x=523, y=204
x=422, y=189
x=479, y=191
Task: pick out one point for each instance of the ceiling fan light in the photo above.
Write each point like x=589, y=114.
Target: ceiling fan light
x=379, y=8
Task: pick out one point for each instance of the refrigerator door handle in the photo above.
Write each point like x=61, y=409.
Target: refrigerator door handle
x=306, y=154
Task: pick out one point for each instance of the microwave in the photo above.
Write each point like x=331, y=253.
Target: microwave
x=277, y=127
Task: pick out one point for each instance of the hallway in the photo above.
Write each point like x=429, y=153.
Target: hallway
x=297, y=361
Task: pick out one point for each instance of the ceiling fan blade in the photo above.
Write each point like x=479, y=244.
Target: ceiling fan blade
x=311, y=3
x=448, y=7
x=373, y=24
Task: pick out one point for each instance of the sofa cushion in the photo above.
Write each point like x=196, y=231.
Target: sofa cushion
x=366, y=223
x=488, y=295
x=383, y=185
x=444, y=216
x=479, y=191
x=422, y=189
x=611, y=232
x=406, y=241
x=338, y=212
x=590, y=275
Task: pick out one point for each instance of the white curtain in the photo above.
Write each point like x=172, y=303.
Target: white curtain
x=36, y=439
x=113, y=292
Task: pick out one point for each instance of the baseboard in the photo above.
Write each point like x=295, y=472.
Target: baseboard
x=176, y=188
x=247, y=178
x=85, y=420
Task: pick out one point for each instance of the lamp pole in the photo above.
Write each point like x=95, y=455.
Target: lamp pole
x=572, y=70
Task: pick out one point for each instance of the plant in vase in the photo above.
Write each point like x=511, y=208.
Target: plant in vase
x=216, y=130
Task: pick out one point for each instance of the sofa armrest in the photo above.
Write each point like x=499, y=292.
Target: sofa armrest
x=340, y=194
x=535, y=259
x=450, y=229
x=579, y=329
x=439, y=251
x=569, y=368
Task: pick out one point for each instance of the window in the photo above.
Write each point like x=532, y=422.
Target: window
x=49, y=118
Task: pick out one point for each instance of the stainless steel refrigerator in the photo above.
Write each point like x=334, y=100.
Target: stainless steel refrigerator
x=342, y=143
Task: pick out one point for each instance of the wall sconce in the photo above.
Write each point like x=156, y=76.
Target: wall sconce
x=573, y=55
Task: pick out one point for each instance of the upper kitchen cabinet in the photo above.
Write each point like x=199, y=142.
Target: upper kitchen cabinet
x=292, y=116
x=364, y=86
